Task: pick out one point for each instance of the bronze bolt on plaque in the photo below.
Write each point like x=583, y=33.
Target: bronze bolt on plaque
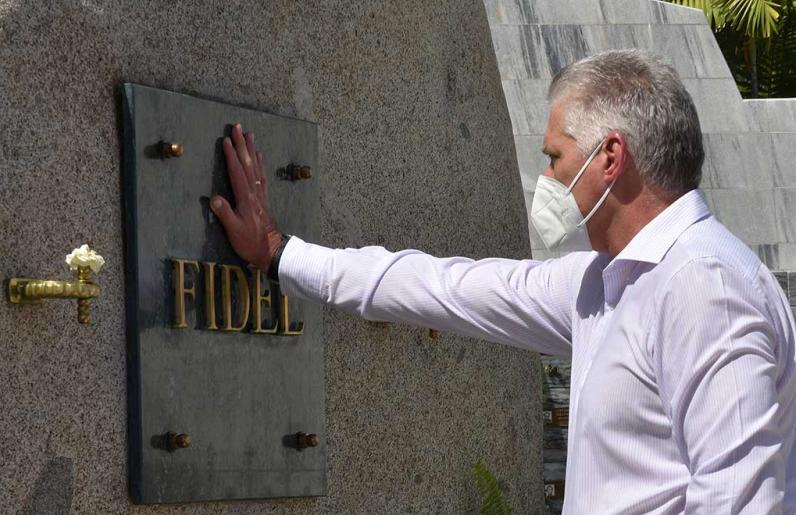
x=304, y=440
x=176, y=441
x=169, y=149
x=295, y=172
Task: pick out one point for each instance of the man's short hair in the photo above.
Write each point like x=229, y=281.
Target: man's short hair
x=637, y=94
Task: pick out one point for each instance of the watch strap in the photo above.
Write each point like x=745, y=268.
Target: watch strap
x=273, y=269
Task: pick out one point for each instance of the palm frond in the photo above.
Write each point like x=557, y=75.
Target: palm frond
x=715, y=16
x=491, y=495
x=758, y=40
x=776, y=58
x=754, y=18
x=777, y=64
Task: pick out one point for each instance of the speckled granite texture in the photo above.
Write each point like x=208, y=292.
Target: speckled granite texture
x=416, y=150
x=749, y=175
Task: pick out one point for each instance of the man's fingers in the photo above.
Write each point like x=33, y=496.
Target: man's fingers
x=224, y=212
x=237, y=177
x=241, y=149
x=250, y=149
x=261, y=176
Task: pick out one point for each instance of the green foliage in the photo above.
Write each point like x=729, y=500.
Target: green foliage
x=758, y=40
x=753, y=18
x=775, y=59
x=776, y=67
x=493, y=502
x=714, y=15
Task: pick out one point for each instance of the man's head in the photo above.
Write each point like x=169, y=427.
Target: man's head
x=635, y=93
x=634, y=106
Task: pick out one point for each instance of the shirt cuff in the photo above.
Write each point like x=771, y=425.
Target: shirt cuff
x=303, y=270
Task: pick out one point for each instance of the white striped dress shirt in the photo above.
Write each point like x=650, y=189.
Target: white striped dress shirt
x=683, y=394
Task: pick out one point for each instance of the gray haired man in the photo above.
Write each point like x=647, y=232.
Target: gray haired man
x=682, y=343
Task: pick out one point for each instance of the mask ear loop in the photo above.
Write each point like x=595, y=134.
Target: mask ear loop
x=598, y=204
x=585, y=165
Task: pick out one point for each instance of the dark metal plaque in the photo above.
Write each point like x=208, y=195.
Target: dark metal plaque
x=241, y=397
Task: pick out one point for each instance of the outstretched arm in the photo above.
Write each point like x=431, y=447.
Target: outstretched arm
x=520, y=303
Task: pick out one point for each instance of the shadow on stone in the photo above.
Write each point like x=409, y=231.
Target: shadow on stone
x=52, y=492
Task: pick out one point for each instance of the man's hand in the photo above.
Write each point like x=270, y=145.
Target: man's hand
x=250, y=227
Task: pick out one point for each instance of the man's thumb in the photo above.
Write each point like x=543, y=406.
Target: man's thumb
x=222, y=209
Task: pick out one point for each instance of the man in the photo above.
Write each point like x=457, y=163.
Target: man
x=683, y=394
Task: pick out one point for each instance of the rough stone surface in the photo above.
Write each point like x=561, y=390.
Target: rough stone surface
x=416, y=150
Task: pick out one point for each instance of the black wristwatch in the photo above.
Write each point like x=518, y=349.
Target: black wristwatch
x=273, y=268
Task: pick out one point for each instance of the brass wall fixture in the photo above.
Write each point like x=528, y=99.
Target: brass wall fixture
x=433, y=334
x=294, y=172
x=22, y=290
x=170, y=149
x=304, y=440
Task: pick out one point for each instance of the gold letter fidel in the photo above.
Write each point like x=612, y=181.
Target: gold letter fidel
x=285, y=320
x=226, y=296
x=180, y=291
x=210, y=295
x=259, y=299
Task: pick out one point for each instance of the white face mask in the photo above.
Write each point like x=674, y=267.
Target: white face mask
x=555, y=214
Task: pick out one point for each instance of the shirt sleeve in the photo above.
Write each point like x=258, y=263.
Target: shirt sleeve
x=716, y=358
x=523, y=303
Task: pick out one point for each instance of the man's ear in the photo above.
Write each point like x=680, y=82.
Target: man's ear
x=615, y=148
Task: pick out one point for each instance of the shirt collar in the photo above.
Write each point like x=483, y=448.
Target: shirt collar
x=655, y=239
